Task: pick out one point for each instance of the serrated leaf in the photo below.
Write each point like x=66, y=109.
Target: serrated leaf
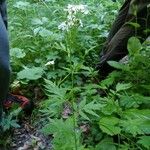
x=54, y=91
x=92, y=106
x=123, y=86
x=91, y=112
x=82, y=103
x=89, y=108
x=136, y=122
x=145, y=141
x=84, y=115
x=109, y=80
x=110, y=125
x=110, y=107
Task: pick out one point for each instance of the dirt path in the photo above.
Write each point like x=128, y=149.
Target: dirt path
x=28, y=137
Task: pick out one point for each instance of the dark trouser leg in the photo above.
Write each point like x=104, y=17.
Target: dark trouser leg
x=120, y=20
x=4, y=63
x=115, y=49
x=116, y=45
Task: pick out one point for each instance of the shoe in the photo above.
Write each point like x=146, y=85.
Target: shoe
x=22, y=101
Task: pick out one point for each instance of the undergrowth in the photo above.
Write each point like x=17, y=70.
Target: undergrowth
x=55, y=51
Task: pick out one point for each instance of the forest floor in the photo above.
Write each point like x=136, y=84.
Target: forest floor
x=29, y=137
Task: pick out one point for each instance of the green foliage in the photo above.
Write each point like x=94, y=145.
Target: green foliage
x=83, y=108
x=31, y=73
x=134, y=46
x=10, y=121
x=106, y=143
x=57, y=97
x=66, y=60
x=144, y=140
x=121, y=87
x=66, y=136
x=109, y=125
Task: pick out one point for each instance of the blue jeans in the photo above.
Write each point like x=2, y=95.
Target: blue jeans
x=4, y=56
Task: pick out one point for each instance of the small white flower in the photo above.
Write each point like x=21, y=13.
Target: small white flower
x=72, y=19
x=50, y=63
x=63, y=26
x=73, y=9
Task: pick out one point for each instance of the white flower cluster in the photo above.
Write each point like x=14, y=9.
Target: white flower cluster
x=72, y=20
x=74, y=9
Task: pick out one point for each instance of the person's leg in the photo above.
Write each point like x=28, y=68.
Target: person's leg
x=3, y=11
x=120, y=20
x=118, y=23
x=4, y=64
x=116, y=49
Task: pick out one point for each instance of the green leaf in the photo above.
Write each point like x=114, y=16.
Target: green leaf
x=84, y=115
x=117, y=65
x=134, y=46
x=109, y=80
x=110, y=125
x=111, y=107
x=89, y=108
x=17, y=53
x=134, y=24
x=133, y=100
x=54, y=91
x=123, y=86
x=145, y=141
x=82, y=103
x=63, y=132
x=31, y=73
x=43, y=32
x=136, y=121
x=106, y=144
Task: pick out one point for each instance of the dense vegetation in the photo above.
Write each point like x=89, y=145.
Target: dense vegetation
x=54, y=51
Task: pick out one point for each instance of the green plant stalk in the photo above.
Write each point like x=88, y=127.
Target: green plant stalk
x=71, y=41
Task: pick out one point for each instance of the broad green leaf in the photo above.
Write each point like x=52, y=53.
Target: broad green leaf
x=117, y=65
x=134, y=46
x=110, y=125
x=106, y=144
x=17, y=53
x=43, y=32
x=37, y=21
x=21, y=5
x=31, y=73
